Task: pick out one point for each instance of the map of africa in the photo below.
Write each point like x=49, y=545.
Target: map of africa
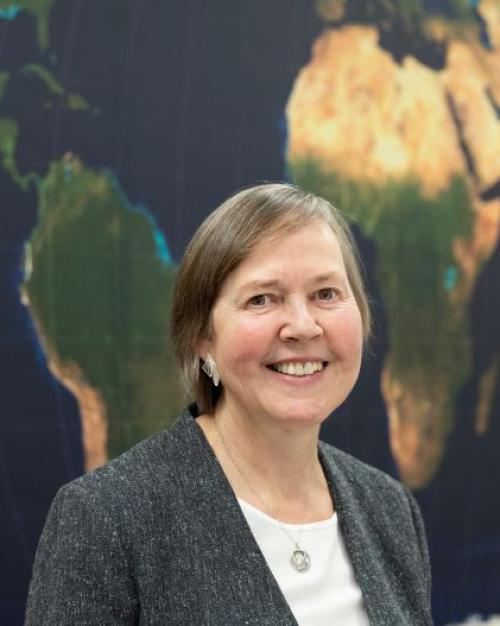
x=113, y=147
x=410, y=149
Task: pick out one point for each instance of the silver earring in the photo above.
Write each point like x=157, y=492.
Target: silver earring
x=210, y=369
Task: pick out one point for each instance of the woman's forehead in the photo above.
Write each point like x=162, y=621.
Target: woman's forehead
x=311, y=251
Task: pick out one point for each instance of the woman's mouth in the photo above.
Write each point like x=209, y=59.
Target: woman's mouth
x=298, y=368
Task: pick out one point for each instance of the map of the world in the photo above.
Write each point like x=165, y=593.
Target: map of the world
x=123, y=123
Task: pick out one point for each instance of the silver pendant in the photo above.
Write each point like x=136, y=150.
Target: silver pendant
x=300, y=560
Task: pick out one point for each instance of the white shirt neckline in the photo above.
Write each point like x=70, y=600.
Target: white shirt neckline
x=327, y=593
x=329, y=521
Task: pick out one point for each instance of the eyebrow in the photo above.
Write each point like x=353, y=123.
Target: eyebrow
x=274, y=283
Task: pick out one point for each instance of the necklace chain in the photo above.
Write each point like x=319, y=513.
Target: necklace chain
x=300, y=559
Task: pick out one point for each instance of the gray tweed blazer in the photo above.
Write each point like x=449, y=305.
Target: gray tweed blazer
x=157, y=537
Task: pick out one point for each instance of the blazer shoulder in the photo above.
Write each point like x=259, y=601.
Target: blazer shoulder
x=136, y=473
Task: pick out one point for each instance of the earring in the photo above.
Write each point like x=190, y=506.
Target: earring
x=210, y=369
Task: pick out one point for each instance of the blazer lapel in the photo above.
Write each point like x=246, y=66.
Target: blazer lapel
x=228, y=549
x=364, y=550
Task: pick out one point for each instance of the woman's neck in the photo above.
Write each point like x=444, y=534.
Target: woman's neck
x=274, y=468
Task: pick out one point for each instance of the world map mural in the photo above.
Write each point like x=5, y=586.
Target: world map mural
x=124, y=123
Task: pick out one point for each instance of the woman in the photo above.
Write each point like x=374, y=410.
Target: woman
x=238, y=515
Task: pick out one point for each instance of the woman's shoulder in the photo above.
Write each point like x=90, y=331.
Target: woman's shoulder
x=140, y=471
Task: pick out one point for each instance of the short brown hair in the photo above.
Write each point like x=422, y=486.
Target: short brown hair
x=225, y=239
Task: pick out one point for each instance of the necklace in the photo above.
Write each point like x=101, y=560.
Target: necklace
x=299, y=559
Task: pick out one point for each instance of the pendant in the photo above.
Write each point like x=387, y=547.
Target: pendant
x=300, y=560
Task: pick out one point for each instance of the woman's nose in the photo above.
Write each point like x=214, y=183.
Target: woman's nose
x=300, y=323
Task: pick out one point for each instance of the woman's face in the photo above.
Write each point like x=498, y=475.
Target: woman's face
x=286, y=330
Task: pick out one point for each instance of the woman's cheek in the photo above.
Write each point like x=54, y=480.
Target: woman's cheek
x=348, y=329
x=251, y=338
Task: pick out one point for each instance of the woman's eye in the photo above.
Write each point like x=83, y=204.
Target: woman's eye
x=259, y=300
x=327, y=293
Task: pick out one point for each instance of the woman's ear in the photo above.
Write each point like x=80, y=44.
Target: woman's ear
x=205, y=345
x=204, y=349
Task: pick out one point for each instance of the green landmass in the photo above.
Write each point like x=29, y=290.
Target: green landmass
x=46, y=76
x=75, y=102
x=416, y=269
x=99, y=288
x=72, y=101
x=40, y=9
x=8, y=143
x=4, y=79
x=9, y=132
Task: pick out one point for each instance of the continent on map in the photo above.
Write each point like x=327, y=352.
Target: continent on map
x=98, y=280
x=407, y=145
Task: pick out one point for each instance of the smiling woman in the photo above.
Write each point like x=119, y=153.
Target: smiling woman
x=259, y=215
x=266, y=344
x=269, y=320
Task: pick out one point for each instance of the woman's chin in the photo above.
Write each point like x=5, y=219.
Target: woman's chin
x=302, y=416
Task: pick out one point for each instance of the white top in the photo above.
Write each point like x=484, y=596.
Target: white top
x=327, y=593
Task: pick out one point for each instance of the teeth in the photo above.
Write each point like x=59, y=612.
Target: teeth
x=299, y=369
